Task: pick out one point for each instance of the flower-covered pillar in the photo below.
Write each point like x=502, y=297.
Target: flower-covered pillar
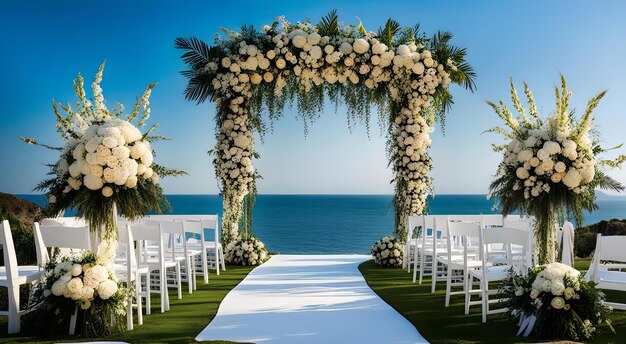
x=234, y=147
x=415, y=80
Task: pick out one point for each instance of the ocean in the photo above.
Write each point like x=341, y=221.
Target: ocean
x=334, y=224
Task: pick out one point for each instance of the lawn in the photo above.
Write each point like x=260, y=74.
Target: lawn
x=438, y=324
x=184, y=321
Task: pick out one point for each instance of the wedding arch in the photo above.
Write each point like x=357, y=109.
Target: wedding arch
x=250, y=73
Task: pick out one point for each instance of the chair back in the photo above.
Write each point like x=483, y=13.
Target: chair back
x=8, y=250
x=212, y=223
x=63, y=237
x=463, y=234
x=611, y=248
x=509, y=237
x=142, y=233
x=491, y=220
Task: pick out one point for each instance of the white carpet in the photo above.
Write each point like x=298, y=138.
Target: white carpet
x=308, y=299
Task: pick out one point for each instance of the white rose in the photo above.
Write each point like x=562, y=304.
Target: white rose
x=524, y=155
x=75, y=285
x=107, y=191
x=299, y=41
x=314, y=38
x=403, y=50
x=587, y=174
x=107, y=289
x=560, y=167
x=76, y=269
x=93, y=182
x=572, y=179
x=58, y=288
x=557, y=303
x=109, y=142
x=360, y=46
x=521, y=173
x=534, y=161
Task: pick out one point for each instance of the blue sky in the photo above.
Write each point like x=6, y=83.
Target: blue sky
x=45, y=44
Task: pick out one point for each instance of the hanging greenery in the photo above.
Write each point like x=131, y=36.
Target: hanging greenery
x=253, y=75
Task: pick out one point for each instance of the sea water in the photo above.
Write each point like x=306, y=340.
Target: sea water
x=327, y=224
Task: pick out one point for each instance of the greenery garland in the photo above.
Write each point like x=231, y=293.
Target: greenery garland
x=550, y=167
x=250, y=73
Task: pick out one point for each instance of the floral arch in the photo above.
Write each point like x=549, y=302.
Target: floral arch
x=253, y=73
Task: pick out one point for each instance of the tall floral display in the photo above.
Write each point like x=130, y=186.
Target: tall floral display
x=251, y=72
x=106, y=167
x=106, y=162
x=551, y=166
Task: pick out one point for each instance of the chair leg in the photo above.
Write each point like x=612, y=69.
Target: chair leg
x=222, y=259
x=435, y=270
x=415, y=267
x=448, y=286
x=189, y=275
x=217, y=261
x=468, y=292
x=129, y=309
x=205, y=269
x=14, y=309
x=423, y=262
x=485, y=294
x=139, y=303
x=179, y=286
x=148, y=293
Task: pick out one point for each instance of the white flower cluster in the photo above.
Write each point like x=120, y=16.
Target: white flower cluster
x=545, y=158
x=80, y=282
x=410, y=73
x=552, y=281
x=388, y=252
x=246, y=252
x=105, y=156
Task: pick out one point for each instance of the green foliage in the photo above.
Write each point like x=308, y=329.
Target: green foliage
x=586, y=236
x=329, y=24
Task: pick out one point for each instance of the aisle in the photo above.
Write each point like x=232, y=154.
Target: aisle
x=308, y=299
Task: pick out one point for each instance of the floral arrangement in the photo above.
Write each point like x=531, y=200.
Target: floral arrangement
x=555, y=302
x=550, y=166
x=84, y=281
x=105, y=161
x=404, y=72
x=249, y=251
x=388, y=252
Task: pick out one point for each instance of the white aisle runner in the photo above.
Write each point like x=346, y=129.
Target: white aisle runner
x=308, y=299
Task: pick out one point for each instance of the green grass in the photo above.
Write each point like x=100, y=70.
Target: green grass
x=439, y=324
x=184, y=321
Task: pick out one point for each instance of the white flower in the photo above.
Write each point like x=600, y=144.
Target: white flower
x=107, y=191
x=299, y=41
x=557, y=303
x=534, y=161
x=76, y=269
x=97, y=272
x=524, y=155
x=521, y=173
x=314, y=38
x=107, y=289
x=75, y=285
x=557, y=288
x=360, y=46
x=552, y=147
x=572, y=179
x=58, y=288
x=403, y=50
x=85, y=304
x=560, y=167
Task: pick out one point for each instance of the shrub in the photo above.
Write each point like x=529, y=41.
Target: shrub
x=585, y=239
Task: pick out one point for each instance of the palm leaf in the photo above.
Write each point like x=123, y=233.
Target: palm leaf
x=329, y=24
x=387, y=33
x=198, y=52
x=200, y=89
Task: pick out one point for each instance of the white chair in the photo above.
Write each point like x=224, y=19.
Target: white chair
x=62, y=237
x=128, y=271
x=461, y=235
x=155, y=261
x=489, y=272
x=176, y=250
x=607, y=265
x=13, y=276
x=212, y=223
x=195, y=228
